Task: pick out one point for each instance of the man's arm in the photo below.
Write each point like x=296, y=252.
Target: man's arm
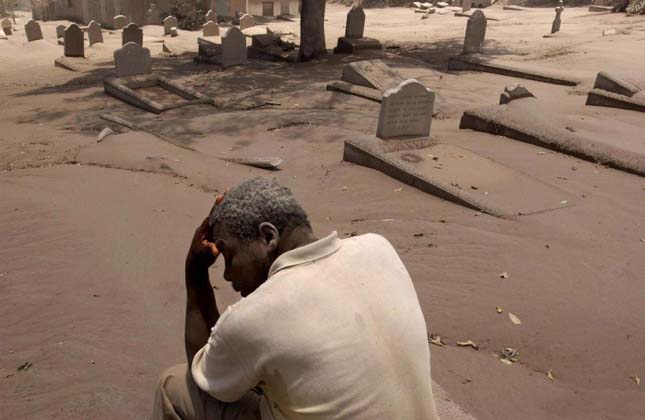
x=201, y=309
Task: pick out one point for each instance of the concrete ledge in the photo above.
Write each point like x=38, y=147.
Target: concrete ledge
x=352, y=45
x=599, y=97
x=457, y=175
x=360, y=91
x=519, y=124
x=478, y=63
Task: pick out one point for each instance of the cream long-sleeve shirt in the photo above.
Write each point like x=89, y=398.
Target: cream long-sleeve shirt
x=336, y=332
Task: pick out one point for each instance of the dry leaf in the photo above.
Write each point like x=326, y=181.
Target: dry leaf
x=468, y=343
x=549, y=375
x=505, y=361
x=398, y=190
x=436, y=340
x=504, y=275
x=514, y=319
x=636, y=379
x=498, y=309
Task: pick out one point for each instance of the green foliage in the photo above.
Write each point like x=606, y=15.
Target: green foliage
x=190, y=14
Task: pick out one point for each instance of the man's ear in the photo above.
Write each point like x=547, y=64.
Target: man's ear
x=270, y=235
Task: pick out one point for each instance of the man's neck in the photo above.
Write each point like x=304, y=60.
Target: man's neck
x=295, y=238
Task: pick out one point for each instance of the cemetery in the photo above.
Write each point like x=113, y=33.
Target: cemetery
x=499, y=146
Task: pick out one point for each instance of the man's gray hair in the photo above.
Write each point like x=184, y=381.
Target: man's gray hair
x=256, y=201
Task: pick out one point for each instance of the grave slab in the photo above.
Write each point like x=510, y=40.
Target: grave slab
x=372, y=74
x=355, y=45
x=477, y=62
x=458, y=175
x=600, y=97
x=124, y=88
x=360, y=91
x=615, y=84
x=529, y=121
x=64, y=63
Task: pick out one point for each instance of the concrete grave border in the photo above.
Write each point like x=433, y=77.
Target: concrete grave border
x=475, y=62
x=600, y=97
x=124, y=88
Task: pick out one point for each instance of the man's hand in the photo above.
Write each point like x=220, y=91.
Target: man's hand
x=203, y=251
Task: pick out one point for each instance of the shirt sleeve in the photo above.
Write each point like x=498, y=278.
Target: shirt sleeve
x=219, y=368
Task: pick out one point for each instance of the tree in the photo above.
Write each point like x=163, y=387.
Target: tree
x=312, y=29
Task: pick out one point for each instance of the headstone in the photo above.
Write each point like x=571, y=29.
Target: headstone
x=132, y=59
x=466, y=5
x=6, y=26
x=60, y=31
x=233, y=47
x=32, y=31
x=169, y=23
x=152, y=15
x=132, y=33
x=555, y=27
x=211, y=16
x=74, y=41
x=355, y=26
x=514, y=91
x=246, y=21
x=94, y=33
x=210, y=28
x=406, y=111
x=475, y=33
x=120, y=22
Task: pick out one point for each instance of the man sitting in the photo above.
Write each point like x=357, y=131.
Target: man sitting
x=326, y=329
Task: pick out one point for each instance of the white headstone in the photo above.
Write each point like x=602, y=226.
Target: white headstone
x=210, y=28
x=32, y=31
x=132, y=33
x=246, y=21
x=355, y=26
x=60, y=31
x=94, y=33
x=211, y=16
x=120, y=21
x=169, y=23
x=132, y=60
x=466, y=5
x=406, y=111
x=233, y=47
x=475, y=33
x=74, y=41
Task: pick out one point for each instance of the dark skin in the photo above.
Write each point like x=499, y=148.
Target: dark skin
x=247, y=267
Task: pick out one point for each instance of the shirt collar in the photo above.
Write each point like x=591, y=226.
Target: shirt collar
x=305, y=254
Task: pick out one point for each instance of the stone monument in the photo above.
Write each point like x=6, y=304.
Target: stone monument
x=406, y=112
x=94, y=33
x=555, y=27
x=132, y=60
x=169, y=23
x=210, y=28
x=246, y=21
x=354, y=39
x=132, y=33
x=466, y=5
x=6, y=26
x=211, y=16
x=475, y=33
x=60, y=31
x=74, y=41
x=32, y=31
x=120, y=22
x=233, y=48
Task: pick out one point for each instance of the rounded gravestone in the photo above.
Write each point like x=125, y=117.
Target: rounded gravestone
x=169, y=23
x=120, y=21
x=132, y=60
x=32, y=31
x=132, y=33
x=94, y=33
x=406, y=111
x=233, y=48
x=246, y=21
x=210, y=28
x=211, y=16
x=60, y=31
x=74, y=43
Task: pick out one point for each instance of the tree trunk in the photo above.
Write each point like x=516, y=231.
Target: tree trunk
x=312, y=29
